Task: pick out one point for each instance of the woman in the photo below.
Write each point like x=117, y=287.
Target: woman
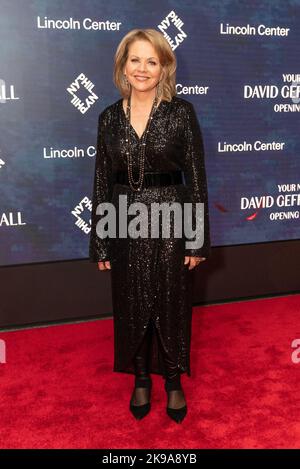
x=149, y=151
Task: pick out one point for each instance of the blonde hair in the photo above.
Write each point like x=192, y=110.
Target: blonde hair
x=165, y=54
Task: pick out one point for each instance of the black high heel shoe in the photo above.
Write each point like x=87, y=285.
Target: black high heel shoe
x=140, y=411
x=176, y=414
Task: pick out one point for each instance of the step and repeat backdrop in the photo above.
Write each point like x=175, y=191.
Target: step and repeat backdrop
x=238, y=63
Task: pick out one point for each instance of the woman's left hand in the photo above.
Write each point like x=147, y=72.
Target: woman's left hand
x=193, y=261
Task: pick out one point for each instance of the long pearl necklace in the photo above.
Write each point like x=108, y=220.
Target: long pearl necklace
x=137, y=185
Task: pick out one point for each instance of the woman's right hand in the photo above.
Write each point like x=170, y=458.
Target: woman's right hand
x=104, y=265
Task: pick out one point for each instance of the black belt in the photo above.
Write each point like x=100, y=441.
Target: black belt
x=151, y=179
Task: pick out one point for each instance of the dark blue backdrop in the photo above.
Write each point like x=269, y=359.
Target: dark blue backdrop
x=45, y=201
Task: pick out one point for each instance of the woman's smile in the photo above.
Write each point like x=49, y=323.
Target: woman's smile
x=139, y=78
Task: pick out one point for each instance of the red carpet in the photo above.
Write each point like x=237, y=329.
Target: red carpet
x=58, y=389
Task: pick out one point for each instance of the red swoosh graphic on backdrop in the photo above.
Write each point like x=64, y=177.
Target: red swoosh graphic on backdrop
x=223, y=209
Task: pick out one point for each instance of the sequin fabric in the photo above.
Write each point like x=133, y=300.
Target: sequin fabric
x=148, y=275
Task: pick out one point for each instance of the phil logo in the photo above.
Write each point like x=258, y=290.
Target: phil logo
x=172, y=21
x=82, y=82
x=2, y=351
x=85, y=205
x=296, y=354
x=7, y=92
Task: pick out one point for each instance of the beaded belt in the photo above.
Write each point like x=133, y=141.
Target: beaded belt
x=152, y=179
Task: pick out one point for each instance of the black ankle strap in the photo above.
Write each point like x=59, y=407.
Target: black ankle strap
x=174, y=385
x=142, y=381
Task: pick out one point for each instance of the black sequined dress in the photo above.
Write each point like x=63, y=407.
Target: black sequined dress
x=149, y=278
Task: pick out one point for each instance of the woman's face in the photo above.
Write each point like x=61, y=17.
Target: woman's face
x=142, y=68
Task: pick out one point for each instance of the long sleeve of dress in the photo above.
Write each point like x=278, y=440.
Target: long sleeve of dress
x=102, y=192
x=195, y=175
